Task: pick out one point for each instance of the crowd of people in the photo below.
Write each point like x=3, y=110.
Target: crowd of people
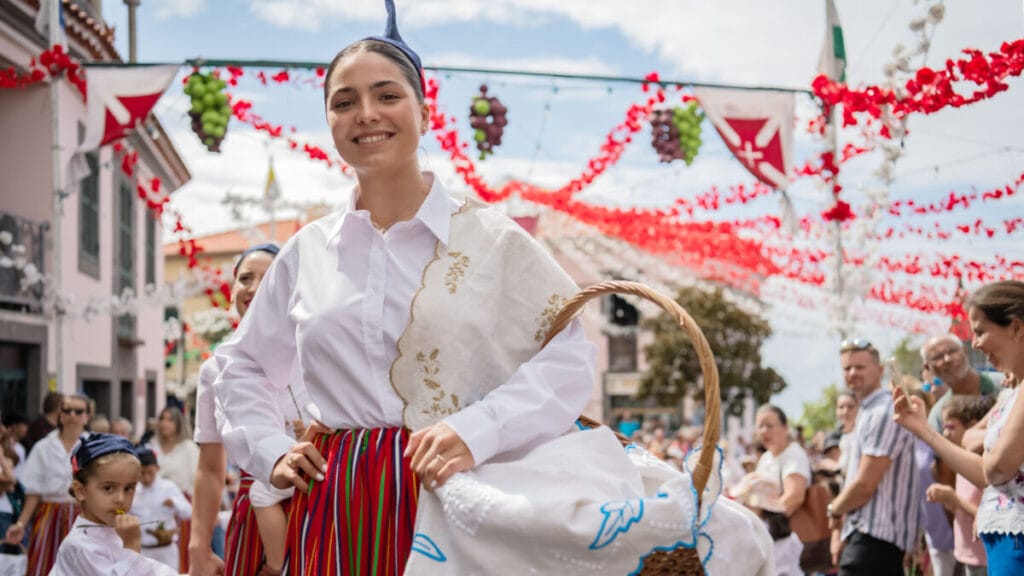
x=920, y=476
x=392, y=406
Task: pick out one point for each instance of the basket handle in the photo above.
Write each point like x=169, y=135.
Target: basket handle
x=712, y=398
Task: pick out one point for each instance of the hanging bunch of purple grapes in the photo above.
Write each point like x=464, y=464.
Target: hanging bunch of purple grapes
x=487, y=118
x=675, y=133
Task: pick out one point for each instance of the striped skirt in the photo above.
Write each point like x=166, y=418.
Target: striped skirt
x=52, y=522
x=359, y=520
x=243, y=549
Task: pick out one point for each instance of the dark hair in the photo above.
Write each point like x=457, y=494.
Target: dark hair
x=775, y=409
x=968, y=409
x=146, y=457
x=14, y=418
x=52, y=402
x=407, y=68
x=1001, y=301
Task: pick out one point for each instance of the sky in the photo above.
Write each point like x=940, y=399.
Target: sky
x=556, y=125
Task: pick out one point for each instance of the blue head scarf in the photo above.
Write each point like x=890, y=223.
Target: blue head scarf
x=391, y=36
x=95, y=445
x=269, y=248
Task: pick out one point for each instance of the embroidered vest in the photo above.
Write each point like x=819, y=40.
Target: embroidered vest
x=485, y=305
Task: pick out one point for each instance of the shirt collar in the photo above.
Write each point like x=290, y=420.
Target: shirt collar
x=873, y=398
x=435, y=212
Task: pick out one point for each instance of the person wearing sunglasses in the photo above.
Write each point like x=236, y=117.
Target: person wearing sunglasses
x=49, y=510
x=875, y=530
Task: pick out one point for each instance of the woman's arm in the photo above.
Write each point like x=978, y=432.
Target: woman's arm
x=1003, y=461
x=909, y=413
x=794, y=491
x=541, y=400
x=210, y=475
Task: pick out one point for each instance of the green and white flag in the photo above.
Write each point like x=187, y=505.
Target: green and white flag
x=833, y=52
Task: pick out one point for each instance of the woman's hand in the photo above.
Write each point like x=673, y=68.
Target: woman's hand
x=127, y=527
x=203, y=562
x=299, y=427
x=942, y=494
x=15, y=533
x=437, y=453
x=315, y=428
x=909, y=412
x=300, y=463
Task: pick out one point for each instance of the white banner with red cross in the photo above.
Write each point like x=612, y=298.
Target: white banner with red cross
x=757, y=126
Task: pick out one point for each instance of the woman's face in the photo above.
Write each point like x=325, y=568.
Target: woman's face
x=74, y=413
x=846, y=412
x=250, y=274
x=771, y=431
x=372, y=111
x=166, y=426
x=995, y=341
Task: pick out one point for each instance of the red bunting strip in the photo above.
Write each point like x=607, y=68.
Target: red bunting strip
x=50, y=63
x=241, y=109
x=929, y=91
x=955, y=201
x=610, y=151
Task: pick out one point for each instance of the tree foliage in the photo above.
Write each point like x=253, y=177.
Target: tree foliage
x=735, y=337
x=820, y=414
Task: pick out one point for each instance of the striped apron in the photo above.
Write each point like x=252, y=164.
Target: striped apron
x=359, y=520
x=51, y=523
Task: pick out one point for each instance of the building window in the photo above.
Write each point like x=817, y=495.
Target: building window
x=150, y=249
x=89, y=220
x=126, y=254
x=622, y=354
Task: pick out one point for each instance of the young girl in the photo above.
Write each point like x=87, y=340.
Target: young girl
x=105, y=540
x=960, y=413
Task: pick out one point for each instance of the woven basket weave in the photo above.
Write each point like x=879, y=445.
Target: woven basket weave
x=681, y=561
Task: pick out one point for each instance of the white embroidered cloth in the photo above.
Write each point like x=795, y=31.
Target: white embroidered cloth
x=580, y=504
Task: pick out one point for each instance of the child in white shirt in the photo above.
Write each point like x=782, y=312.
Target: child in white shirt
x=105, y=540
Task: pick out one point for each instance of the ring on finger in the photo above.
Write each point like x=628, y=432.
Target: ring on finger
x=441, y=458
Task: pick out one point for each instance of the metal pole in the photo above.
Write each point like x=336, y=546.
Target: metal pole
x=58, y=201
x=132, y=5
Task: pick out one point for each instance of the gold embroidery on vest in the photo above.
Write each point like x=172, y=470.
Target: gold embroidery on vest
x=456, y=272
x=555, y=304
x=443, y=404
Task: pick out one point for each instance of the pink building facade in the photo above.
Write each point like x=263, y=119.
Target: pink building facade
x=109, y=240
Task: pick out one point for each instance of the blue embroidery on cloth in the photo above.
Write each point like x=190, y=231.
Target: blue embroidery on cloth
x=424, y=545
x=700, y=520
x=619, y=515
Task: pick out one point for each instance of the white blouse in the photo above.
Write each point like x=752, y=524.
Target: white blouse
x=337, y=299
x=210, y=415
x=1002, y=507
x=179, y=465
x=98, y=551
x=47, y=473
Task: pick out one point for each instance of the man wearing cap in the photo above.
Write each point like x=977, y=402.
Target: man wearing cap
x=881, y=486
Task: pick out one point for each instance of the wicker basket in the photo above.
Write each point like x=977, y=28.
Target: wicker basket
x=682, y=561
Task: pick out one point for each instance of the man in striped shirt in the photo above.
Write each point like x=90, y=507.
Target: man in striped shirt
x=877, y=510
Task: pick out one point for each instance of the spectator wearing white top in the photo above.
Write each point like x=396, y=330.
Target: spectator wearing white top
x=784, y=461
